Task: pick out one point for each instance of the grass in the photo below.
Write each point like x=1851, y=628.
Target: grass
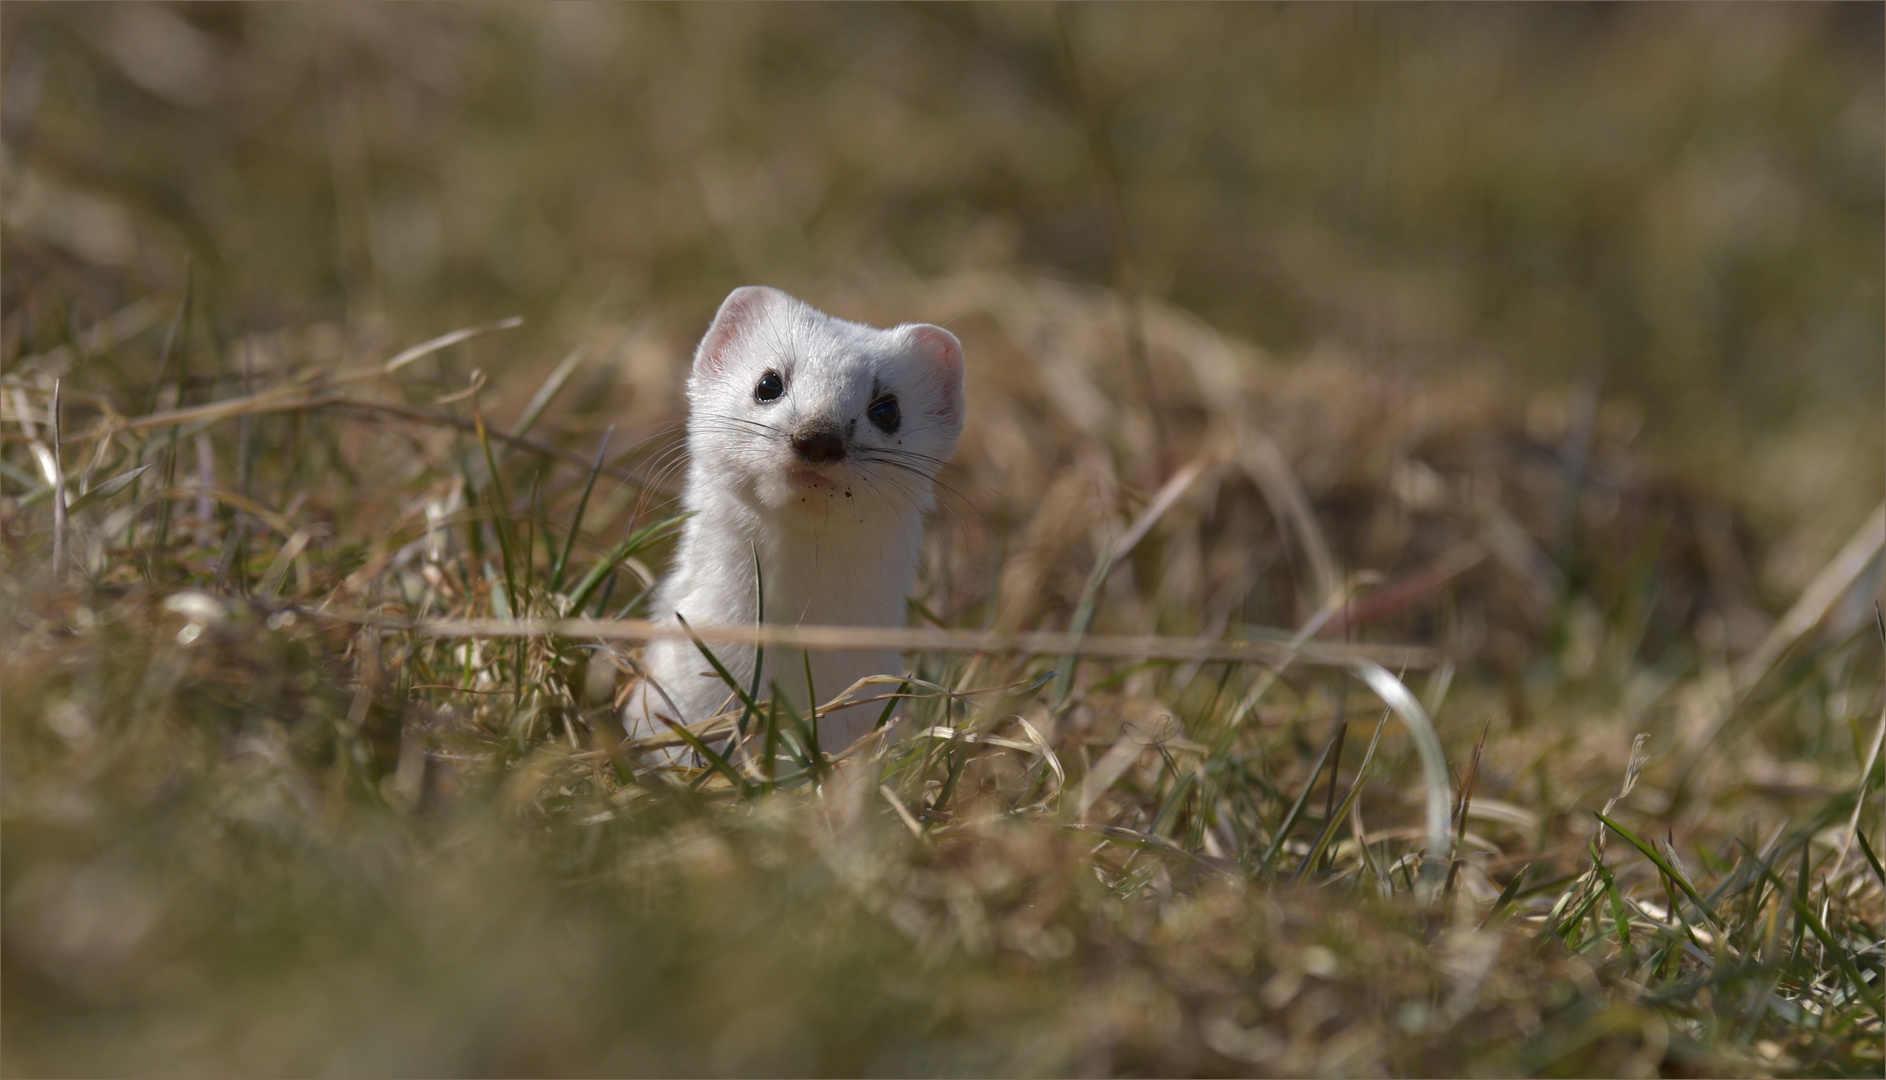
x=266, y=811
x=1350, y=709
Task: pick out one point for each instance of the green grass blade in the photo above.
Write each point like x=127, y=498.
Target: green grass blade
x=1172, y=803
x=500, y=594
x=1663, y=866
x=891, y=705
x=720, y=669
x=637, y=541
x=958, y=757
x=1804, y=911
x=1871, y=859
x=1620, y=917
x=812, y=760
x=1507, y=895
x=576, y=520
x=596, y=574
x=771, y=741
x=811, y=695
x=759, y=651
x=1083, y=617
x=500, y=520
x=535, y=524
x=716, y=761
x=107, y=489
x=1296, y=808
x=1328, y=831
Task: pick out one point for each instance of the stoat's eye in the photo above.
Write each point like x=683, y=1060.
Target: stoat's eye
x=770, y=387
x=883, y=412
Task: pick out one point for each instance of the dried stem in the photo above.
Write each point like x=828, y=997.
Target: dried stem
x=58, y=484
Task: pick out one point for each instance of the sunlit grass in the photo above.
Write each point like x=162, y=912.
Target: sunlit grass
x=258, y=819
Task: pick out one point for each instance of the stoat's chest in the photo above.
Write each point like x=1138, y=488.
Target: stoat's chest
x=848, y=567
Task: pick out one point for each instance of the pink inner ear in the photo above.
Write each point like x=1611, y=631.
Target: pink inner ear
x=942, y=354
x=736, y=316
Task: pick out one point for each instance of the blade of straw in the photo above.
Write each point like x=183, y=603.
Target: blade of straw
x=1394, y=693
x=1084, y=611
x=1815, y=600
x=909, y=639
x=58, y=484
x=446, y=341
x=546, y=394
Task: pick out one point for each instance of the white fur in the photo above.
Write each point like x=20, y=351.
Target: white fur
x=836, y=543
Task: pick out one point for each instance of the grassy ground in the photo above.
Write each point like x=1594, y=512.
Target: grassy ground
x=267, y=810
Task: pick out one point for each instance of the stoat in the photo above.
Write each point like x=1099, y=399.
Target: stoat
x=813, y=447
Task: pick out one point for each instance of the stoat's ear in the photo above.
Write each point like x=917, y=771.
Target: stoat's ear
x=745, y=308
x=940, y=357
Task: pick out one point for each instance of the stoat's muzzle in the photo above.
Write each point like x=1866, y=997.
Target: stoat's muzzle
x=819, y=442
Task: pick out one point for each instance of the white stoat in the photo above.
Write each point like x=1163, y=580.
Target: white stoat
x=813, y=445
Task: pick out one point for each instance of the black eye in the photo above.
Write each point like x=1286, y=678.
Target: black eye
x=769, y=388
x=883, y=412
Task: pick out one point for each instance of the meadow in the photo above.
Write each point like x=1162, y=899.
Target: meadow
x=1405, y=602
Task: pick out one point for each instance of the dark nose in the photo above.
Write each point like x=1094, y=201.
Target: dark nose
x=818, y=445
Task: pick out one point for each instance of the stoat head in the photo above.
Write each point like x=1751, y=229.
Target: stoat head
x=793, y=408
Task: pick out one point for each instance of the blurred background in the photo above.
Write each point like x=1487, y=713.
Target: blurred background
x=1681, y=204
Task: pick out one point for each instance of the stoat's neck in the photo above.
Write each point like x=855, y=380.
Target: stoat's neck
x=839, y=565
x=840, y=561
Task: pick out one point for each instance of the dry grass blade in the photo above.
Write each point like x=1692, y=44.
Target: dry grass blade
x=537, y=447
x=552, y=386
x=1821, y=594
x=902, y=811
x=446, y=341
x=910, y=639
x=293, y=398
x=289, y=397
x=1465, y=802
x=277, y=571
x=1393, y=597
x=1149, y=842
x=946, y=734
x=1268, y=467
x=1331, y=605
x=1111, y=766
x=133, y=319
x=1394, y=693
x=57, y=480
x=1168, y=494
x=1859, y=798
